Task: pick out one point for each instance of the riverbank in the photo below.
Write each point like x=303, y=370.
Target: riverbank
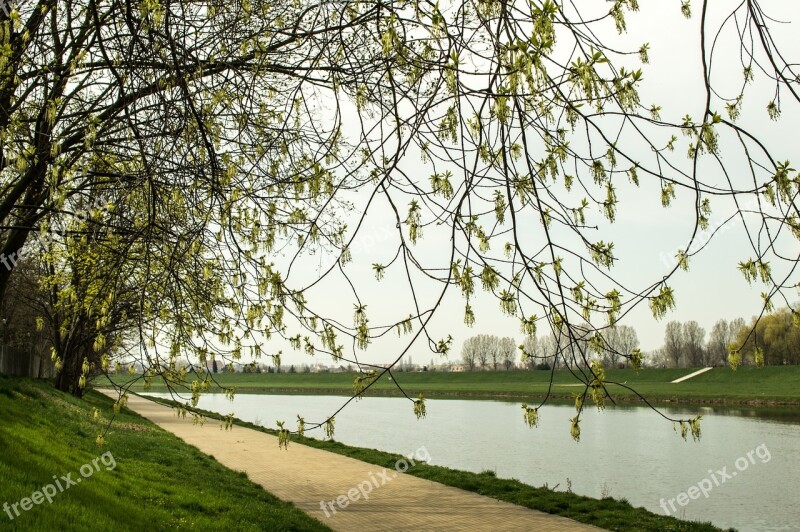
x=127, y=488
x=607, y=513
x=771, y=386
x=350, y=494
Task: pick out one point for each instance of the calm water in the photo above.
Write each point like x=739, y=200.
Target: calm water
x=629, y=452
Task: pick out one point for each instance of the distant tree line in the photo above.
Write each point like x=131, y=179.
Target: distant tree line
x=771, y=340
x=618, y=344
x=685, y=344
x=486, y=351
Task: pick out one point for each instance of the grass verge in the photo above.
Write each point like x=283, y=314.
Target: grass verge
x=157, y=481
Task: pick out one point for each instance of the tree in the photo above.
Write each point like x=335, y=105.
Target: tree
x=469, y=352
x=496, y=351
x=694, y=343
x=540, y=352
x=215, y=134
x=771, y=340
x=674, y=347
x=87, y=113
x=628, y=341
x=658, y=358
x=478, y=350
x=508, y=351
x=93, y=307
x=622, y=340
x=718, y=343
x=482, y=349
x=485, y=345
x=611, y=337
x=724, y=337
x=736, y=326
x=551, y=349
x=532, y=351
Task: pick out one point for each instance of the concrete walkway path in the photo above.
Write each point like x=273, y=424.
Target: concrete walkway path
x=332, y=488
x=690, y=375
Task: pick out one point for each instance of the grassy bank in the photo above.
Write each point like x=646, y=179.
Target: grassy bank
x=145, y=478
x=771, y=385
x=607, y=513
x=158, y=482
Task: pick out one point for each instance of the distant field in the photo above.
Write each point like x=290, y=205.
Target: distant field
x=767, y=385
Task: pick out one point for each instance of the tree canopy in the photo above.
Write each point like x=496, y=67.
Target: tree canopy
x=180, y=165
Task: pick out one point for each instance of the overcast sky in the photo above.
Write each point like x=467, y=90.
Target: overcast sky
x=646, y=235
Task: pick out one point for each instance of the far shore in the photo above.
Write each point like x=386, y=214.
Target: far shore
x=766, y=387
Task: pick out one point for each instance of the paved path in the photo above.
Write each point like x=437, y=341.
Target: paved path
x=311, y=478
x=690, y=375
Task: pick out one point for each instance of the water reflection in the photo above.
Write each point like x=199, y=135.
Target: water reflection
x=780, y=414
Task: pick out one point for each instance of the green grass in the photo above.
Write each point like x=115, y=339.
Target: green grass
x=608, y=513
x=771, y=385
x=159, y=482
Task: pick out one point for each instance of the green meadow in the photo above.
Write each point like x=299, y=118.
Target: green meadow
x=769, y=385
